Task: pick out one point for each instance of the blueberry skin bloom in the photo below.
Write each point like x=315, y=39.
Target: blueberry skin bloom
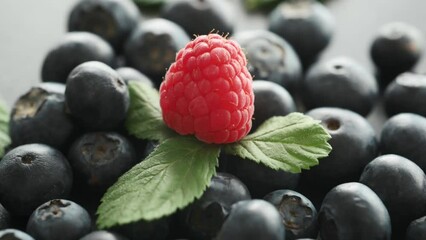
x=4, y=218
x=406, y=93
x=152, y=47
x=354, y=145
x=270, y=99
x=59, y=219
x=97, y=96
x=340, y=82
x=206, y=215
x=400, y=184
x=113, y=20
x=31, y=175
x=75, y=48
x=405, y=134
x=252, y=220
x=352, y=211
x=130, y=74
x=396, y=49
x=307, y=25
x=271, y=58
x=14, y=234
x=99, y=158
x=417, y=229
x=102, y=235
x=298, y=214
x=206, y=15
x=39, y=116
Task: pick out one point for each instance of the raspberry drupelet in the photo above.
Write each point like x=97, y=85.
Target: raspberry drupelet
x=208, y=91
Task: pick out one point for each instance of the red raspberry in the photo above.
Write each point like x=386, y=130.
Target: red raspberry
x=208, y=91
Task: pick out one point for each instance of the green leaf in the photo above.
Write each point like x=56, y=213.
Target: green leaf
x=4, y=128
x=289, y=143
x=174, y=175
x=144, y=119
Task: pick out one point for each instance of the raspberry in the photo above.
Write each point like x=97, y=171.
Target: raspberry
x=208, y=91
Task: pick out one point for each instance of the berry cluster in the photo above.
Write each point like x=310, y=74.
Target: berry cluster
x=69, y=143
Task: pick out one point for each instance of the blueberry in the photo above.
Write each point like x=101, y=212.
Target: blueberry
x=31, y=175
x=205, y=216
x=74, y=48
x=113, y=20
x=97, y=96
x=354, y=145
x=259, y=179
x=153, y=45
x=417, y=229
x=400, y=184
x=103, y=235
x=252, y=219
x=4, y=218
x=14, y=234
x=307, y=25
x=396, y=49
x=298, y=214
x=329, y=83
x=206, y=15
x=270, y=100
x=59, y=219
x=352, y=211
x=99, y=158
x=406, y=94
x=270, y=58
x=39, y=116
x=129, y=74
x=405, y=134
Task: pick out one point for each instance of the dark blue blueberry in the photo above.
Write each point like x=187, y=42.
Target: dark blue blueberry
x=406, y=93
x=270, y=58
x=99, y=158
x=4, y=218
x=354, y=145
x=298, y=214
x=97, y=96
x=129, y=74
x=59, y=219
x=352, y=211
x=113, y=20
x=270, y=100
x=14, y=234
x=31, y=175
x=39, y=116
x=74, y=48
x=205, y=216
x=400, y=184
x=405, y=134
x=396, y=49
x=306, y=24
x=340, y=82
x=142, y=230
x=205, y=15
x=417, y=229
x=103, y=235
x=259, y=179
x=252, y=220
x=153, y=45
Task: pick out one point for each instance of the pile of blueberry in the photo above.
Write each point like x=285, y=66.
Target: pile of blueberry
x=69, y=143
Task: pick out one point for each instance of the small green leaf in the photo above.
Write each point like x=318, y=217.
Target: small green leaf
x=144, y=119
x=174, y=175
x=4, y=128
x=289, y=143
